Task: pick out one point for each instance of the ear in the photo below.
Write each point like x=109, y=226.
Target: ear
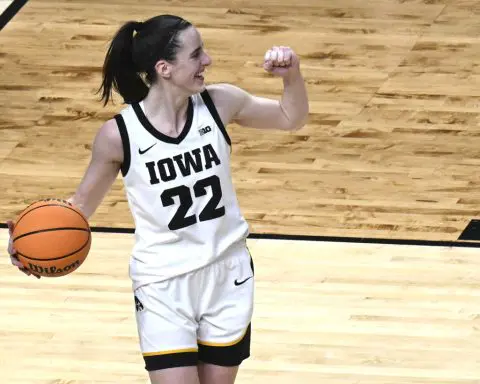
x=163, y=68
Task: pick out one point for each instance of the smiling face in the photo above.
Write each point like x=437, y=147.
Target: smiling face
x=186, y=72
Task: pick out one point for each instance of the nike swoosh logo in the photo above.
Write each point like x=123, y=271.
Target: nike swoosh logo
x=146, y=150
x=243, y=281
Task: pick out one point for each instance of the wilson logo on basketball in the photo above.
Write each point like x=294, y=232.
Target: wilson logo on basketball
x=51, y=271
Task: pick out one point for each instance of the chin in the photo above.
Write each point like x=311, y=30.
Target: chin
x=198, y=87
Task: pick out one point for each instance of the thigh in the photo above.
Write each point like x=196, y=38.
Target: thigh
x=204, y=374
x=214, y=374
x=183, y=375
x=166, y=325
x=226, y=311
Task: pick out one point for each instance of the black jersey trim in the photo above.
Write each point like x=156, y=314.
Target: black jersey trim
x=122, y=128
x=9, y=12
x=213, y=111
x=160, y=136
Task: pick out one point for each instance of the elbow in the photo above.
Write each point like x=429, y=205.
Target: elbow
x=300, y=119
x=297, y=118
x=297, y=125
x=294, y=128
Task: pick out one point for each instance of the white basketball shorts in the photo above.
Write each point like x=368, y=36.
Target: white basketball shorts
x=204, y=315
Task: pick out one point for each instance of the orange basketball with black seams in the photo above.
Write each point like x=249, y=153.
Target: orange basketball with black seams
x=52, y=238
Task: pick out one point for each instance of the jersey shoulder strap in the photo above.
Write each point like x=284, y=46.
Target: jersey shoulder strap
x=213, y=111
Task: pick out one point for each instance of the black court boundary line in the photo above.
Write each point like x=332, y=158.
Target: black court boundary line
x=335, y=239
x=10, y=12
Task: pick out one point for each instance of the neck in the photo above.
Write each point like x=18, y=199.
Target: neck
x=165, y=103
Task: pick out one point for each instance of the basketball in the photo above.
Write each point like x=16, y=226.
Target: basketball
x=51, y=237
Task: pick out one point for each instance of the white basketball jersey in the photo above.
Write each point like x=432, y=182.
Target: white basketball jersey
x=180, y=192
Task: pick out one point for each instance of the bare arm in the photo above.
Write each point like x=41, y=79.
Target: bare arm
x=105, y=163
x=288, y=113
x=107, y=157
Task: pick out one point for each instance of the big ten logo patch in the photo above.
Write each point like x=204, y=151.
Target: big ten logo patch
x=205, y=130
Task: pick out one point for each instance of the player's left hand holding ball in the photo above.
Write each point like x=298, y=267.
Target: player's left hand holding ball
x=281, y=61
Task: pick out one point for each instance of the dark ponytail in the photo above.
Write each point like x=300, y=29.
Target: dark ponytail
x=129, y=57
x=119, y=70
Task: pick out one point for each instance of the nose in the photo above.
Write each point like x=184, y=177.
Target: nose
x=206, y=59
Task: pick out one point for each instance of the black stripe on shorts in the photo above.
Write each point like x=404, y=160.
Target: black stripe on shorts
x=170, y=360
x=226, y=356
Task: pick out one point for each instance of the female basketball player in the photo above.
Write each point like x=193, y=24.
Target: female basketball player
x=191, y=271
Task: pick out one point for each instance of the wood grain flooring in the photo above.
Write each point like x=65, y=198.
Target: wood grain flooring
x=330, y=313
x=390, y=149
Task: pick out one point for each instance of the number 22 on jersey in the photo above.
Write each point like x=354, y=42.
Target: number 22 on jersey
x=210, y=211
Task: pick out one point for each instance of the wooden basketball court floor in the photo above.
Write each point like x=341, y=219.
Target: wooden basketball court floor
x=363, y=271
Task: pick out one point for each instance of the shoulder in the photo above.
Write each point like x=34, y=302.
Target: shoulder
x=108, y=141
x=228, y=100
x=224, y=92
x=110, y=128
x=109, y=132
